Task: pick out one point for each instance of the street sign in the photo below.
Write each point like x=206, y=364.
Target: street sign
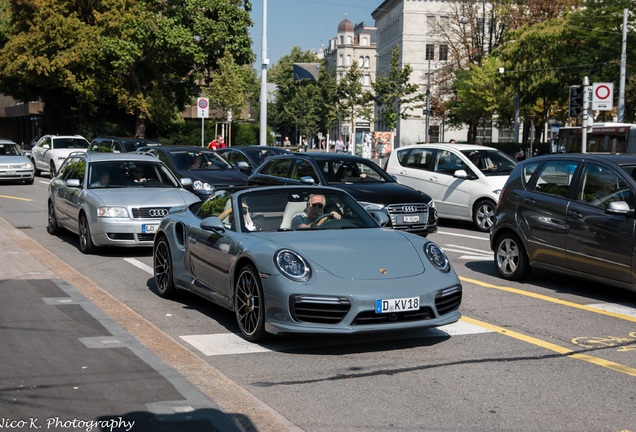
x=203, y=107
x=603, y=96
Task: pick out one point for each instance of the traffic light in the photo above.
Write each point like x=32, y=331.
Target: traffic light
x=576, y=100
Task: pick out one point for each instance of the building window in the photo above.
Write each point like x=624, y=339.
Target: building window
x=443, y=52
x=484, y=132
x=341, y=40
x=430, y=52
x=348, y=60
x=349, y=40
x=365, y=41
x=341, y=60
x=366, y=80
x=361, y=61
x=367, y=62
x=444, y=23
x=430, y=24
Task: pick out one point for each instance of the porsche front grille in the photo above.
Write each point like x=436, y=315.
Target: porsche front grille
x=319, y=310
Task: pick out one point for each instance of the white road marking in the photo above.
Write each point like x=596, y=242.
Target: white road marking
x=478, y=254
x=140, y=265
x=231, y=343
x=463, y=235
x=616, y=308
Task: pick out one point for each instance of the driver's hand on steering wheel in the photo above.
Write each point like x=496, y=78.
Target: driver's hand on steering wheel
x=326, y=216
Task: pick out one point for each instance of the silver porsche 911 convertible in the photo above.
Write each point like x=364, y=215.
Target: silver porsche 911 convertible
x=305, y=259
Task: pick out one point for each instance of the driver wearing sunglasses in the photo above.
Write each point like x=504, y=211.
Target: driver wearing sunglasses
x=314, y=215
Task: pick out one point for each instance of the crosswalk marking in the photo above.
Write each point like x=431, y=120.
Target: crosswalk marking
x=232, y=343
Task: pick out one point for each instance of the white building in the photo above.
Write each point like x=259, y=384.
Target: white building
x=353, y=43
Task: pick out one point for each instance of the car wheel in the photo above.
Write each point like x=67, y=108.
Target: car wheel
x=36, y=171
x=162, y=262
x=85, y=241
x=511, y=258
x=249, y=305
x=484, y=215
x=52, y=227
x=52, y=170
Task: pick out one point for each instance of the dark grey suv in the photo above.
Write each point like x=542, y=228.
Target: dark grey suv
x=572, y=213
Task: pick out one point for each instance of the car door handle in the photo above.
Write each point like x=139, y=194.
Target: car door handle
x=529, y=201
x=402, y=172
x=575, y=214
x=434, y=178
x=192, y=240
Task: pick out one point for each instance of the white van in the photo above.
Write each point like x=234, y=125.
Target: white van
x=464, y=180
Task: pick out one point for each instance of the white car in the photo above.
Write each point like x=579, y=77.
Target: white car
x=464, y=180
x=50, y=151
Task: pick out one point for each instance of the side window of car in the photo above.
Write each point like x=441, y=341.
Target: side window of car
x=600, y=186
x=74, y=169
x=448, y=162
x=528, y=170
x=277, y=168
x=555, y=177
x=302, y=169
x=403, y=157
x=419, y=158
x=162, y=157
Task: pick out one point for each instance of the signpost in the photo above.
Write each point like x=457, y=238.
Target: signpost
x=203, y=111
x=603, y=96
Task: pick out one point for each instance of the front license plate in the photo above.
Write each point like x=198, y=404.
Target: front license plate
x=397, y=305
x=411, y=219
x=149, y=229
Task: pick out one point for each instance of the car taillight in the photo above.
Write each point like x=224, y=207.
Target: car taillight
x=502, y=196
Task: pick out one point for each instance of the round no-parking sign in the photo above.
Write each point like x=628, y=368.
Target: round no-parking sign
x=203, y=107
x=602, y=96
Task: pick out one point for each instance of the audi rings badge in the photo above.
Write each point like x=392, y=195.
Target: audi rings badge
x=409, y=209
x=156, y=213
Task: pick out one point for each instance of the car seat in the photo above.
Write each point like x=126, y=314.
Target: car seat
x=292, y=209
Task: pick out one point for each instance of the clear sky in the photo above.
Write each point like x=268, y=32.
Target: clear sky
x=307, y=24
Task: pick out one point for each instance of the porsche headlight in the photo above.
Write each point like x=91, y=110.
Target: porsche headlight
x=199, y=185
x=371, y=206
x=437, y=257
x=112, y=212
x=292, y=265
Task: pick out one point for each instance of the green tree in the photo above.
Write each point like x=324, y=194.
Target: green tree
x=146, y=58
x=285, y=112
x=394, y=94
x=353, y=102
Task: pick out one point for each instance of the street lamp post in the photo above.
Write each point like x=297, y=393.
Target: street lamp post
x=264, y=63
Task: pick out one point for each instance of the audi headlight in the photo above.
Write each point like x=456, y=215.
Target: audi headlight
x=199, y=185
x=292, y=265
x=371, y=206
x=437, y=257
x=112, y=212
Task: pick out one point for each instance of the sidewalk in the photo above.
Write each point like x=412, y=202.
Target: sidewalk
x=69, y=363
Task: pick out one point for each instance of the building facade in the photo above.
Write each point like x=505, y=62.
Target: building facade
x=353, y=43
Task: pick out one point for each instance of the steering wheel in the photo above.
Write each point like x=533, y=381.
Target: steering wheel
x=325, y=216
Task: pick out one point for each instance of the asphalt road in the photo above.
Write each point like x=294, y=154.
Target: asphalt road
x=549, y=354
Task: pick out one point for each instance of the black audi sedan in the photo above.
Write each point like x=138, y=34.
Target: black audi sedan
x=408, y=209
x=208, y=170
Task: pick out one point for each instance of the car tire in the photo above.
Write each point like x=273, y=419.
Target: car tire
x=249, y=305
x=511, y=258
x=163, y=269
x=86, y=245
x=36, y=171
x=52, y=170
x=52, y=226
x=484, y=214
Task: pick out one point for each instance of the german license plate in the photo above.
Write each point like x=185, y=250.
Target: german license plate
x=411, y=219
x=149, y=228
x=397, y=305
